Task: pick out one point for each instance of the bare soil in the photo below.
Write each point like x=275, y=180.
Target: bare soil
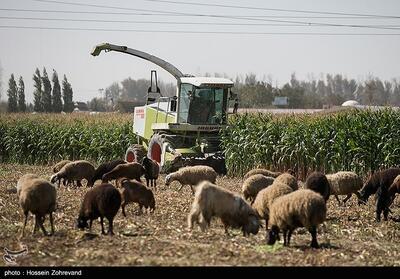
x=349, y=237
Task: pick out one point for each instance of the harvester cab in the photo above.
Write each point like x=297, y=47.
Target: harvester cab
x=183, y=129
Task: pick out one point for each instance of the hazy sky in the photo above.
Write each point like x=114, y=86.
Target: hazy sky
x=276, y=55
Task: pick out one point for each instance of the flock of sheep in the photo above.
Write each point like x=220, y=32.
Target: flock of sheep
x=278, y=198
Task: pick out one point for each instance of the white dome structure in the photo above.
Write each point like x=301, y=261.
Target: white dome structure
x=350, y=103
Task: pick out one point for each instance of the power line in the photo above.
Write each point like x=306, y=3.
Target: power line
x=159, y=14
x=216, y=16
x=198, y=32
x=391, y=27
x=261, y=8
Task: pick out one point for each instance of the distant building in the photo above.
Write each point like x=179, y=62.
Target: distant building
x=80, y=106
x=280, y=101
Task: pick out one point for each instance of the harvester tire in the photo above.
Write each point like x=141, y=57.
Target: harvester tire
x=155, y=147
x=135, y=153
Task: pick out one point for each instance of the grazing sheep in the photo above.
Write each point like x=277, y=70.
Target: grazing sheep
x=192, y=176
x=211, y=200
x=101, y=201
x=104, y=168
x=152, y=171
x=254, y=184
x=265, y=198
x=302, y=208
x=134, y=191
x=57, y=167
x=215, y=161
x=37, y=196
x=288, y=179
x=129, y=170
x=76, y=170
x=344, y=183
x=263, y=172
x=318, y=182
x=379, y=183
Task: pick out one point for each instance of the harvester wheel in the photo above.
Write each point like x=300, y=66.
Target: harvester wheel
x=155, y=147
x=135, y=153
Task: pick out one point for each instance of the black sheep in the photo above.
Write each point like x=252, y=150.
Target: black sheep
x=101, y=201
x=152, y=171
x=379, y=183
x=106, y=167
x=318, y=182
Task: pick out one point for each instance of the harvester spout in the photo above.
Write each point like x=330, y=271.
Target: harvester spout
x=124, y=49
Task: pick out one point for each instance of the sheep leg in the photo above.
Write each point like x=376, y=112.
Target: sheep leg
x=284, y=237
x=140, y=209
x=123, y=209
x=78, y=183
x=337, y=198
x=102, y=226
x=314, y=242
x=180, y=187
x=25, y=221
x=385, y=213
x=40, y=220
x=191, y=187
x=346, y=198
x=147, y=182
x=90, y=225
x=51, y=223
x=110, y=226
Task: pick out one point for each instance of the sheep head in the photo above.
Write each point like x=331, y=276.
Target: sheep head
x=54, y=178
x=252, y=225
x=168, y=179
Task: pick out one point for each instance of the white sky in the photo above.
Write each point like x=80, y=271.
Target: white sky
x=68, y=52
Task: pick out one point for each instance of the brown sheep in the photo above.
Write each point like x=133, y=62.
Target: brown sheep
x=101, y=201
x=37, y=196
x=106, y=167
x=134, y=191
x=318, y=182
x=129, y=170
x=76, y=170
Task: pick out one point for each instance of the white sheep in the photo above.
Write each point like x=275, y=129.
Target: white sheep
x=301, y=208
x=288, y=179
x=263, y=172
x=265, y=198
x=192, y=176
x=254, y=184
x=344, y=183
x=38, y=197
x=211, y=200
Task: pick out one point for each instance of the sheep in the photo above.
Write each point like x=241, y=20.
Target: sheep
x=192, y=176
x=129, y=170
x=265, y=198
x=152, y=171
x=318, y=182
x=211, y=200
x=301, y=208
x=134, y=191
x=104, y=168
x=57, y=167
x=344, y=183
x=254, y=184
x=288, y=179
x=37, y=196
x=76, y=170
x=378, y=183
x=101, y=201
x=394, y=187
x=262, y=171
x=217, y=162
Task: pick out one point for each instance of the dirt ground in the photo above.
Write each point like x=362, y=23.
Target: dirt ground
x=349, y=237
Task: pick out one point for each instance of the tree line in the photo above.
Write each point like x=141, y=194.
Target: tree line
x=47, y=96
x=329, y=90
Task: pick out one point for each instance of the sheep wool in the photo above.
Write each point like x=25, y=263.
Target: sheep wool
x=254, y=184
x=288, y=179
x=263, y=172
x=192, y=176
x=344, y=183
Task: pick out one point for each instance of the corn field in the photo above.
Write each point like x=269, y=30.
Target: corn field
x=46, y=138
x=360, y=141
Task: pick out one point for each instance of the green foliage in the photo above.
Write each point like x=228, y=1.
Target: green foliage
x=21, y=95
x=67, y=94
x=46, y=93
x=358, y=141
x=37, y=94
x=12, y=95
x=46, y=138
x=56, y=94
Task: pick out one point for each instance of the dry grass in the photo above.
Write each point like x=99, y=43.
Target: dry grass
x=350, y=236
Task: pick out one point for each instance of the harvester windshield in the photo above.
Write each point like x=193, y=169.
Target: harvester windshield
x=202, y=105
